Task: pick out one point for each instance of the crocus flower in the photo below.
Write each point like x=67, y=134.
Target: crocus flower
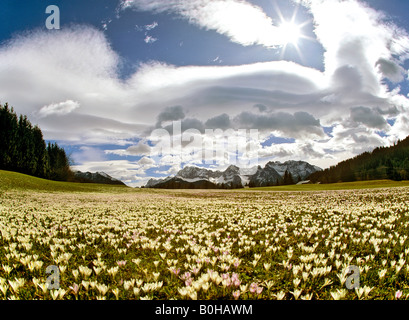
x=259, y=290
x=121, y=263
x=253, y=287
x=75, y=288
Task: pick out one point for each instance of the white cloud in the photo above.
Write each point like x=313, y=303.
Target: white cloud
x=171, y=171
x=146, y=162
x=356, y=36
x=204, y=90
x=61, y=108
x=60, y=71
x=151, y=26
x=241, y=21
x=149, y=39
x=400, y=129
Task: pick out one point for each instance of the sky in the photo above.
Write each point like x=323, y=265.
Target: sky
x=141, y=88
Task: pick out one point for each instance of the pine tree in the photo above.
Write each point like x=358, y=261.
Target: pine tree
x=288, y=178
x=26, y=161
x=8, y=137
x=389, y=169
x=405, y=169
x=40, y=153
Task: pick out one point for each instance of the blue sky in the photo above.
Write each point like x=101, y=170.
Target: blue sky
x=321, y=81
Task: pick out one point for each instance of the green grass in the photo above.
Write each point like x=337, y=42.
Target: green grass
x=17, y=181
x=338, y=186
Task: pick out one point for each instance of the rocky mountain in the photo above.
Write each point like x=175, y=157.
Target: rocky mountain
x=273, y=173
x=234, y=177
x=196, y=173
x=96, y=177
x=200, y=178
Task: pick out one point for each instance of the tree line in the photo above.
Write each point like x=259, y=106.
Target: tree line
x=382, y=163
x=23, y=149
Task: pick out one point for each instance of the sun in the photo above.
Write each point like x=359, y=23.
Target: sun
x=290, y=32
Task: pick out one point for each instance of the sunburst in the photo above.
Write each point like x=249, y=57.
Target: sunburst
x=291, y=32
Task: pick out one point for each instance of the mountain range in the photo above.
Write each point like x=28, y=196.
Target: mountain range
x=233, y=177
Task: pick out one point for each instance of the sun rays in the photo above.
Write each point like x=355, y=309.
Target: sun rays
x=291, y=31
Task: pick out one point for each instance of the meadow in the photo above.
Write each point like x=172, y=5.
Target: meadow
x=77, y=241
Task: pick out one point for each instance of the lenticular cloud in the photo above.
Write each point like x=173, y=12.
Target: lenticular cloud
x=241, y=21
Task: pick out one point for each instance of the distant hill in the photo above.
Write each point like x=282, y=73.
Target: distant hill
x=382, y=163
x=274, y=173
x=11, y=180
x=95, y=177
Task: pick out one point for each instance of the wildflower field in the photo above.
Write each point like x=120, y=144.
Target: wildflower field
x=197, y=244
